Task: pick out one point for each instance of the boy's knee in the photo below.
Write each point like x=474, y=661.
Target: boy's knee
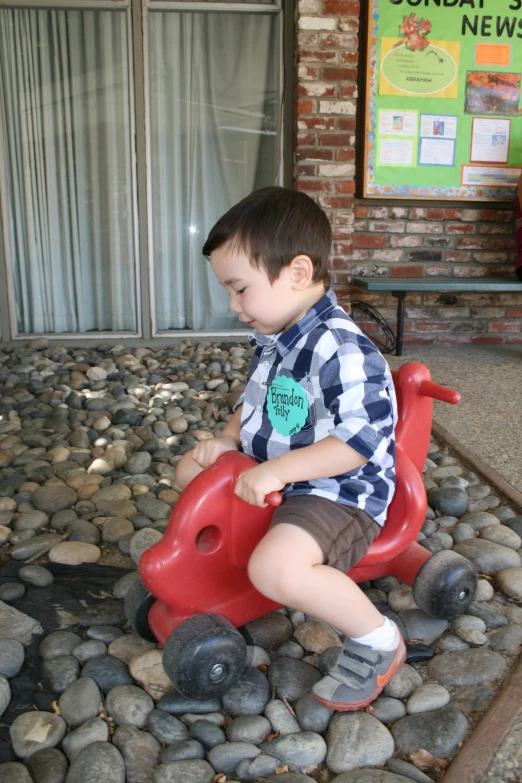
x=273, y=576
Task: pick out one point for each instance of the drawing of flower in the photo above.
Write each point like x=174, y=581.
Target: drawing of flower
x=415, y=32
x=424, y=27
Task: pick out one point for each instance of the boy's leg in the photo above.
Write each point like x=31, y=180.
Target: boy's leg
x=287, y=566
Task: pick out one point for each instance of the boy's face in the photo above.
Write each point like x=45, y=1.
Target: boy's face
x=268, y=307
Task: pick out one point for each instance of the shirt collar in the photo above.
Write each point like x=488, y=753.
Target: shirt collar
x=285, y=341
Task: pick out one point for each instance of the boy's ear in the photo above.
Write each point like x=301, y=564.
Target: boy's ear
x=302, y=272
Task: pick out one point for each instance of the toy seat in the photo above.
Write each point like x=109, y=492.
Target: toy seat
x=395, y=551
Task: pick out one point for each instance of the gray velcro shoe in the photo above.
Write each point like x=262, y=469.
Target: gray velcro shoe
x=358, y=676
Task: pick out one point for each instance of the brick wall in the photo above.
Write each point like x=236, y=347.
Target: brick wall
x=398, y=238
x=327, y=54
x=428, y=241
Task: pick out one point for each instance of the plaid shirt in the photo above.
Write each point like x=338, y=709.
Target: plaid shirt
x=350, y=395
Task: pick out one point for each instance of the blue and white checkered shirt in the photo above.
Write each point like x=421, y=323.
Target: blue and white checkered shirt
x=350, y=395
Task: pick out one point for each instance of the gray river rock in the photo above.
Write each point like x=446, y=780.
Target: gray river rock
x=36, y=575
x=99, y=762
x=252, y=728
x=182, y=750
x=53, y=499
x=209, y=735
x=80, y=701
x=270, y=632
x=140, y=751
x=93, y=730
x=510, y=582
x=184, y=771
x=487, y=557
x=48, y=766
x=357, y=739
x=409, y=771
x=107, y=672
x=35, y=546
x=292, y=678
x=5, y=694
x=249, y=695
x=166, y=728
x=34, y=731
x=17, y=625
x=437, y=731
x=299, y=751
x=280, y=717
x=129, y=705
x=58, y=643
x=225, y=758
x=12, y=656
x=466, y=667
x=14, y=772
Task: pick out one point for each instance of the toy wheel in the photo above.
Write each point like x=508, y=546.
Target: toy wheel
x=204, y=656
x=137, y=605
x=445, y=585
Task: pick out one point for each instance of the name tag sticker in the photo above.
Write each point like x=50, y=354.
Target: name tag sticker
x=287, y=405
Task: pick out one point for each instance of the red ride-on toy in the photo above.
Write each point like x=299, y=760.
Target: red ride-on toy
x=195, y=592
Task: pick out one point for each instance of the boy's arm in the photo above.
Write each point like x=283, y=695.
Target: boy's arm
x=324, y=459
x=206, y=452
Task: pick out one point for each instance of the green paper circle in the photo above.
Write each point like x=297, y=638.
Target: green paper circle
x=287, y=405
x=401, y=67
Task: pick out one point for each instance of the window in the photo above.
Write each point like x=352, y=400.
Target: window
x=105, y=208
x=67, y=177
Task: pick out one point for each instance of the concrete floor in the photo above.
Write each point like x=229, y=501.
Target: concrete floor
x=488, y=420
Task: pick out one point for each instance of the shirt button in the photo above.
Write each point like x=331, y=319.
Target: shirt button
x=266, y=364
x=259, y=407
x=244, y=442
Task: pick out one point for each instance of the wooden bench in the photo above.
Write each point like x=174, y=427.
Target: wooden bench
x=400, y=286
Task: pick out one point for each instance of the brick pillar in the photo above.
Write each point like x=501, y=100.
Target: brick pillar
x=327, y=56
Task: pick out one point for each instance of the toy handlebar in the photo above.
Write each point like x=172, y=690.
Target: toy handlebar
x=437, y=392
x=274, y=499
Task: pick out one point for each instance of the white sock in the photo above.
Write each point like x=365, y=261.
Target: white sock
x=385, y=637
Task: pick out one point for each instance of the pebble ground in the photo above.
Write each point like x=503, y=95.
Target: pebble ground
x=89, y=440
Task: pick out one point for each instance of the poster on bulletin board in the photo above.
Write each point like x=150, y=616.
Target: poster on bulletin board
x=443, y=99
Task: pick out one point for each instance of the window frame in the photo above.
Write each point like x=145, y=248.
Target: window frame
x=136, y=14
x=8, y=321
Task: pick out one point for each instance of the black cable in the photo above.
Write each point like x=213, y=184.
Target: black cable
x=385, y=339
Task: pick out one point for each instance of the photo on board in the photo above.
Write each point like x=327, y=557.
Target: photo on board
x=492, y=93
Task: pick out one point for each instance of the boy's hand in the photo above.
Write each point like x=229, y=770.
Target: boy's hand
x=207, y=451
x=254, y=484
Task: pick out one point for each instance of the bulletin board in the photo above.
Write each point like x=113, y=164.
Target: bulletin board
x=443, y=96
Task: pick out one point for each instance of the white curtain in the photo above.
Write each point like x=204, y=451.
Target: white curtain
x=66, y=189
x=214, y=138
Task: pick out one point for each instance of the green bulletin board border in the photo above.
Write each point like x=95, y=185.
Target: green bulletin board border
x=418, y=191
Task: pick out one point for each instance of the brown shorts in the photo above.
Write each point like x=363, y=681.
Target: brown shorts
x=344, y=533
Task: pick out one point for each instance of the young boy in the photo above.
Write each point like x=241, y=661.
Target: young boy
x=318, y=414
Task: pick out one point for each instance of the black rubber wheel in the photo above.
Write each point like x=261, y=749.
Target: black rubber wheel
x=204, y=656
x=445, y=585
x=137, y=605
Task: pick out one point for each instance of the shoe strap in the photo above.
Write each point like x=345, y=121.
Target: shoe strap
x=356, y=664
x=362, y=652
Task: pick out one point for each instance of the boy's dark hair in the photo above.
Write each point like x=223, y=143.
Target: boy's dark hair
x=274, y=225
